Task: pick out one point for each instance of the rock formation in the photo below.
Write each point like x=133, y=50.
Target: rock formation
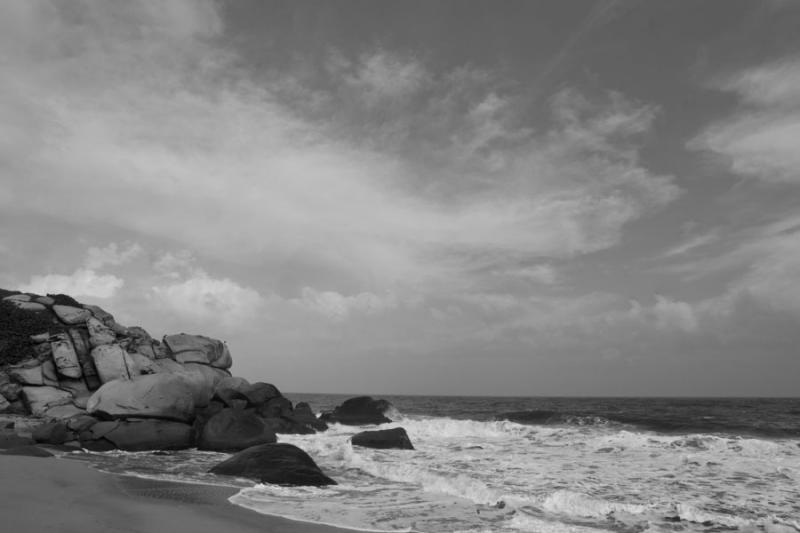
x=359, y=411
x=279, y=464
x=101, y=385
x=383, y=439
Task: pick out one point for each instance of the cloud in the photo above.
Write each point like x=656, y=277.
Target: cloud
x=83, y=282
x=111, y=255
x=203, y=299
x=760, y=140
x=339, y=307
x=692, y=244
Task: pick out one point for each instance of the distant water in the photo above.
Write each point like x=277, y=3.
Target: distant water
x=549, y=465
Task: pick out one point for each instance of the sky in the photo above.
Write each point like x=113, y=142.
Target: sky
x=452, y=197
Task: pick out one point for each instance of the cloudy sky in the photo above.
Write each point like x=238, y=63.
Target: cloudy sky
x=480, y=197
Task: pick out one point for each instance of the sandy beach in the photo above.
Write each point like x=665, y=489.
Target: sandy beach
x=51, y=494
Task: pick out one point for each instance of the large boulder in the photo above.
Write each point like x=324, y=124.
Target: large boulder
x=52, y=433
x=260, y=393
x=167, y=396
x=359, y=411
x=303, y=414
x=279, y=464
x=99, y=333
x=71, y=315
x=140, y=435
x=64, y=356
x=198, y=349
x=233, y=430
x=39, y=399
x=112, y=363
x=383, y=439
x=27, y=373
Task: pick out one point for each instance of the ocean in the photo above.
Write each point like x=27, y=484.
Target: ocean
x=548, y=465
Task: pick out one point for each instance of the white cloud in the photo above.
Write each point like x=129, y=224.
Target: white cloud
x=760, y=139
x=204, y=299
x=175, y=265
x=112, y=255
x=339, y=307
x=692, y=244
x=83, y=282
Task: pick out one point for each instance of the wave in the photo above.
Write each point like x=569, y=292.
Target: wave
x=658, y=423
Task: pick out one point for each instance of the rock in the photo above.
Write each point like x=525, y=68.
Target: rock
x=39, y=399
x=65, y=357
x=100, y=314
x=27, y=451
x=80, y=341
x=42, y=351
x=229, y=396
x=5, y=405
x=71, y=315
x=63, y=412
x=259, y=393
x=233, y=430
x=52, y=433
x=18, y=298
x=279, y=464
x=99, y=333
x=112, y=362
x=168, y=366
x=44, y=300
x=383, y=439
x=303, y=414
x=198, y=349
x=204, y=378
x=25, y=374
x=140, y=435
x=77, y=387
x=80, y=423
x=286, y=426
x=233, y=383
x=82, y=401
x=49, y=373
x=10, y=391
x=359, y=411
x=28, y=306
x=275, y=407
x=40, y=338
x=142, y=365
x=167, y=396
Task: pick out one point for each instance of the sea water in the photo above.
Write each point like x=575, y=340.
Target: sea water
x=547, y=465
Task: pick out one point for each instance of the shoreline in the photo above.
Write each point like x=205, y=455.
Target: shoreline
x=41, y=494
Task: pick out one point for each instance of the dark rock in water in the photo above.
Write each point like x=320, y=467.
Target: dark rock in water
x=359, y=411
x=303, y=414
x=279, y=464
x=141, y=435
x=383, y=439
x=27, y=451
x=53, y=433
x=232, y=430
x=260, y=393
x=287, y=426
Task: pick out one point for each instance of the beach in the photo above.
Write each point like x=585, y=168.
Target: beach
x=51, y=494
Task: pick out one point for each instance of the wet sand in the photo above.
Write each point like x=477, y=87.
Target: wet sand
x=60, y=495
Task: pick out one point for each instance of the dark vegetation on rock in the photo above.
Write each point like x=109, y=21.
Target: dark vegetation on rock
x=279, y=464
x=383, y=439
x=16, y=327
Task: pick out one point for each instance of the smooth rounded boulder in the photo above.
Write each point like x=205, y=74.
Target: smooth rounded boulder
x=396, y=438
x=359, y=411
x=166, y=396
x=232, y=430
x=279, y=464
x=141, y=435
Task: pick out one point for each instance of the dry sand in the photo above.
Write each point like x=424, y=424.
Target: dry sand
x=60, y=495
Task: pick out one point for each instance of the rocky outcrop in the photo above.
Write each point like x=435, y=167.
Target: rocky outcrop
x=383, y=439
x=166, y=396
x=64, y=361
x=359, y=411
x=279, y=464
x=198, y=349
x=231, y=430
